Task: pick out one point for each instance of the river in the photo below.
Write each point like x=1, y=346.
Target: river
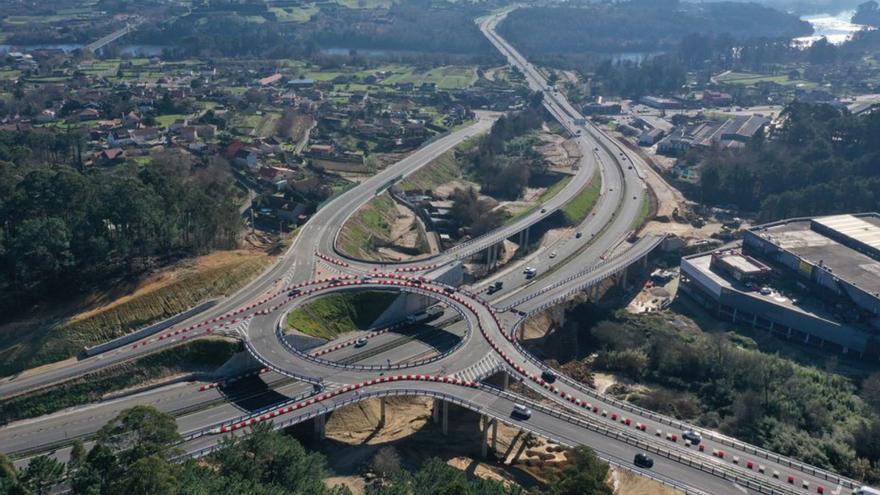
x=838, y=28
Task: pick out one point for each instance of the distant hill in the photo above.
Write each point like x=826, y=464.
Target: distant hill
x=868, y=14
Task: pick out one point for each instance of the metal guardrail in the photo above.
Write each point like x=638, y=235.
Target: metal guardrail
x=717, y=437
x=616, y=266
x=321, y=410
x=675, y=453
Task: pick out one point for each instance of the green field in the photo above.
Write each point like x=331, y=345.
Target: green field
x=335, y=314
x=295, y=14
x=578, y=208
x=749, y=79
x=446, y=77
x=167, y=120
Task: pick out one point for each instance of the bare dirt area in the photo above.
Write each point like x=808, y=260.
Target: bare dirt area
x=355, y=435
x=628, y=483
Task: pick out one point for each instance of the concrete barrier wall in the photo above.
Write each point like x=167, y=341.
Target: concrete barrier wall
x=150, y=330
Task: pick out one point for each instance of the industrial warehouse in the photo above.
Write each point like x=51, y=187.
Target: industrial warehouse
x=814, y=280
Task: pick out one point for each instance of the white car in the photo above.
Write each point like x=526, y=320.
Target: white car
x=522, y=411
x=552, y=254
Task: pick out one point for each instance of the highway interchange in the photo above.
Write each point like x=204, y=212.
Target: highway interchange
x=295, y=386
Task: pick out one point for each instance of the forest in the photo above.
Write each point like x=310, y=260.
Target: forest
x=822, y=161
x=724, y=382
x=63, y=228
x=640, y=26
x=409, y=26
x=131, y=455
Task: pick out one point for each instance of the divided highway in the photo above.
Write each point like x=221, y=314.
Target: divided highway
x=301, y=386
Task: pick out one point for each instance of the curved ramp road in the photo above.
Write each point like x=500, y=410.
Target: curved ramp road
x=315, y=383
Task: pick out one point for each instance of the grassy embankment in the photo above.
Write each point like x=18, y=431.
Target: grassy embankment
x=369, y=224
x=335, y=314
x=581, y=205
x=201, y=355
x=45, y=340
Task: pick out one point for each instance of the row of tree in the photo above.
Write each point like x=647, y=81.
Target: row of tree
x=62, y=229
x=823, y=160
x=131, y=455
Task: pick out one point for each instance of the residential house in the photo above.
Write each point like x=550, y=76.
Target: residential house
x=110, y=157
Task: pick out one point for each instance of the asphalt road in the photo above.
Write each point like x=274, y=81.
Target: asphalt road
x=486, y=344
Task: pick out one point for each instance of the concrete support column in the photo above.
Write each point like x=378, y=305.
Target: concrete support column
x=484, y=425
x=771, y=326
x=807, y=339
x=755, y=321
x=733, y=317
x=445, y=418
x=506, y=382
x=494, y=435
x=788, y=333
x=644, y=263
x=435, y=413
x=320, y=426
x=382, y=411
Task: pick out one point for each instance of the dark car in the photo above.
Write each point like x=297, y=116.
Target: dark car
x=548, y=376
x=693, y=437
x=578, y=235
x=293, y=293
x=643, y=461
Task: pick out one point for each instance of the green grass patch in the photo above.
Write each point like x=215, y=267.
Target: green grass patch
x=296, y=14
x=749, y=79
x=580, y=206
x=200, y=355
x=332, y=315
x=370, y=221
x=644, y=212
x=166, y=120
x=444, y=169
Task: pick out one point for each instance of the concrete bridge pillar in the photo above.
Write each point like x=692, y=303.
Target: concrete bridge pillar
x=382, y=411
x=320, y=426
x=506, y=383
x=484, y=423
x=644, y=263
x=445, y=425
x=488, y=423
x=435, y=411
